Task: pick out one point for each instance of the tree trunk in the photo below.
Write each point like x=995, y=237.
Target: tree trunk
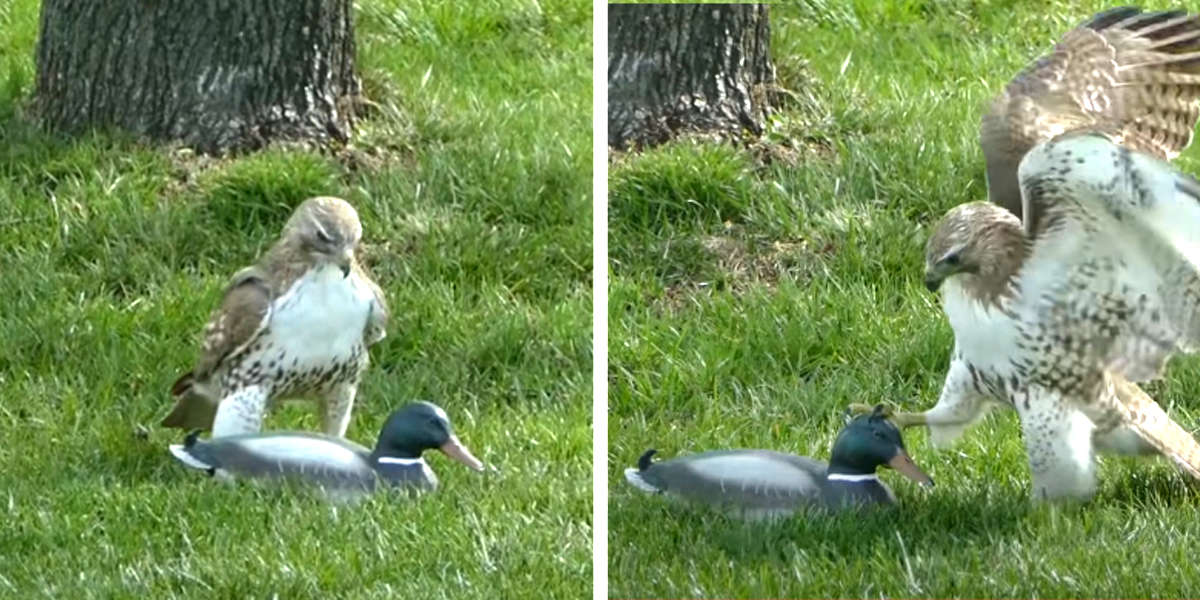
x=214, y=74
x=673, y=67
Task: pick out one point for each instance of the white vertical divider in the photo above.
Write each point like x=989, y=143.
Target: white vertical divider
x=599, y=300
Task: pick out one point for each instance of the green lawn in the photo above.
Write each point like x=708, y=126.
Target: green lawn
x=750, y=302
x=477, y=226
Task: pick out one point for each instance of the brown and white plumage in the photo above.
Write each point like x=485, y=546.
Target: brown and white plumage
x=1061, y=315
x=1132, y=75
x=295, y=324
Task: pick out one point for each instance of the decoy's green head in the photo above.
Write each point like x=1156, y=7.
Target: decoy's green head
x=418, y=427
x=871, y=441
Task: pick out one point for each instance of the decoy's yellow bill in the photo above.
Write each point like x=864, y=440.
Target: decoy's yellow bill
x=905, y=466
x=454, y=449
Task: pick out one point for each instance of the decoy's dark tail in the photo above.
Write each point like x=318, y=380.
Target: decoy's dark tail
x=190, y=439
x=193, y=455
x=644, y=461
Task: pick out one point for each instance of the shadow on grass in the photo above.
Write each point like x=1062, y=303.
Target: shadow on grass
x=938, y=520
x=1144, y=486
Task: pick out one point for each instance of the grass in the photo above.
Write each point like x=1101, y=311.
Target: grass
x=476, y=217
x=751, y=301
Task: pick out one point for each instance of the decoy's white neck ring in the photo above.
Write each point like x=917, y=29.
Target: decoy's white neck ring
x=854, y=478
x=392, y=460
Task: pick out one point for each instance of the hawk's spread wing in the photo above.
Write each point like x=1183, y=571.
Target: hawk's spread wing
x=1115, y=271
x=244, y=313
x=1115, y=261
x=1131, y=75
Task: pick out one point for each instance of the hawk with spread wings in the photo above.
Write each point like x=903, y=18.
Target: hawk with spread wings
x=1082, y=276
x=295, y=324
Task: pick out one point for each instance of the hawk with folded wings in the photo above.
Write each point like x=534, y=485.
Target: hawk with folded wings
x=296, y=324
x=1082, y=276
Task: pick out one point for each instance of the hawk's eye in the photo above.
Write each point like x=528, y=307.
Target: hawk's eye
x=324, y=237
x=951, y=259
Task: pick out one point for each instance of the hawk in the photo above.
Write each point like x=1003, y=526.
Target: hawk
x=295, y=324
x=1082, y=276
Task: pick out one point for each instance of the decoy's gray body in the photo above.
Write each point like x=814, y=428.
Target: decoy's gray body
x=764, y=483
x=333, y=463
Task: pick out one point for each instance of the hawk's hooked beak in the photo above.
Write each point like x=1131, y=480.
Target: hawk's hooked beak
x=936, y=274
x=933, y=281
x=345, y=261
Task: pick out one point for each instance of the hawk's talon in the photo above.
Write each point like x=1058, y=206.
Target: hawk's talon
x=858, y=408
x=891, y=412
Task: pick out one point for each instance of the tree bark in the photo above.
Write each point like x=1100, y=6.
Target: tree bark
x=675, y=67
x=216, y=75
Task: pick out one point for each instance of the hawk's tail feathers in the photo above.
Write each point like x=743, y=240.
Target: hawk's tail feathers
x=1157, y=428
x=182, y=385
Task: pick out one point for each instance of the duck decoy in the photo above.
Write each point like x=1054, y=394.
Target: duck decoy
x=757, y=484
x=334, y=463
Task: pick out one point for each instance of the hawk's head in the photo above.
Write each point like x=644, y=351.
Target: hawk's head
x=972, y=238
x=327, y=229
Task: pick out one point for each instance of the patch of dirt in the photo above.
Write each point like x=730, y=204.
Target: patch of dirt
x=747, y=262
x=377, y=142
x=186, y=167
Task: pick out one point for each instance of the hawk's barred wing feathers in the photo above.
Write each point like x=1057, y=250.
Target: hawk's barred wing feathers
x=1132, y=75
x=1115, y=266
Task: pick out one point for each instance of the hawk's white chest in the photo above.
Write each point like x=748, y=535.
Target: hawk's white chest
x=320, y=320
x=985, y=336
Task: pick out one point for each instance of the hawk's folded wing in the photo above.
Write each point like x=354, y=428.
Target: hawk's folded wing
x=244, y=313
